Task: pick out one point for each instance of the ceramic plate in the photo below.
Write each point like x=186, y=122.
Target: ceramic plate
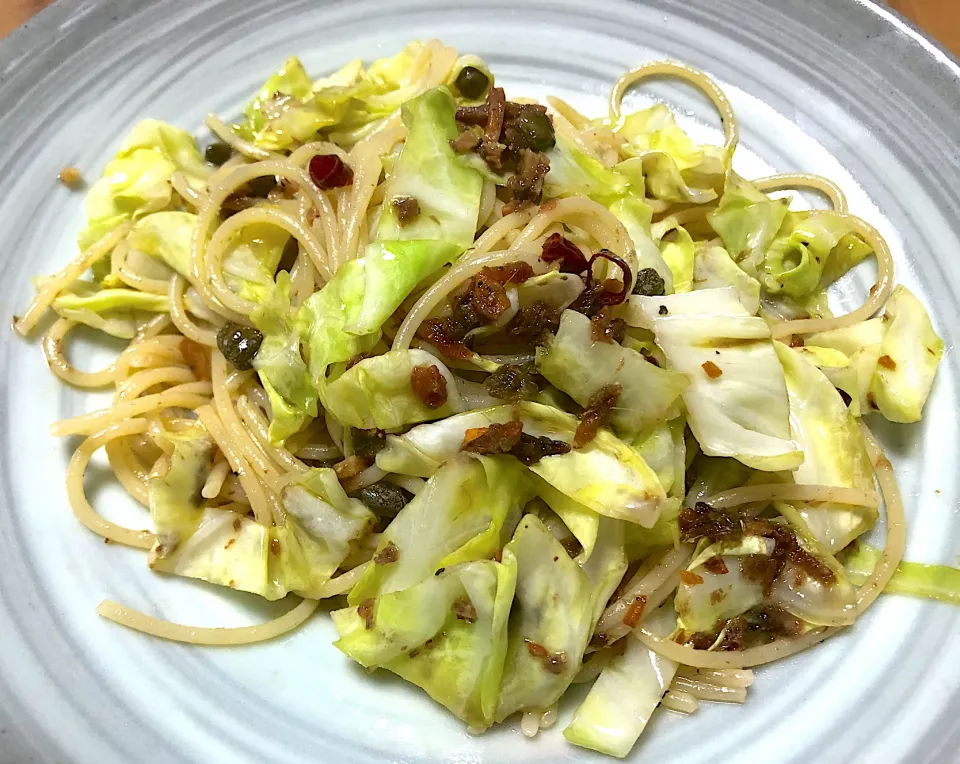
x=835, y=87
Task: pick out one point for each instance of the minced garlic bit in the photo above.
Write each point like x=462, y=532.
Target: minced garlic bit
x=71, y=178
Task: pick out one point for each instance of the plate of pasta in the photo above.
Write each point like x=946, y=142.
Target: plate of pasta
x=486, y=384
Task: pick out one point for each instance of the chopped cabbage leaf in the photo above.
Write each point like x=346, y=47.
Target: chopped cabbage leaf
x=555, y=611
x=747, y=222
x=742, y=411
x=938, y=582
x=466, y=512
x=714, y=268
x=117, y=312
x=577, y=364
x=377, y=392
x=909, y=357
x=447, y=634
x=228, y=549
x=622, y=700
x=834, y=450
x=167, y=236
x=137, y=181
x=282, y=370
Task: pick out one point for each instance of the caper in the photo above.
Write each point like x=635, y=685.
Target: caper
x=537, y=130
x=260, y=187
x=649, y=283
x=386, y=499
x=471, y=82
x=368, y=443
x=217, y=153
x=239, y=344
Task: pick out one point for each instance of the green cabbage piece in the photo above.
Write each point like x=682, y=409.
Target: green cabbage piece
x=574, y=172
x=714, y=268
x=848, y=357
x=747, y=222
x=167, y=236
x=556, y=606
x=712, y=475
x=417, y=634
x=912, y=350
x=137, y=181
x=430, y=171
x=619, y=705
x=376, y=393
x=663, y=448
x=117, y=312
x=321, y=318
x=228, y=549
x=466, y=512
x=706, y=606
x=251, y=261
x=582, y=522
x=635, y=216
x=938, y=582
x=580, y=366
x=815, y=250
x=677, y=252
x=605, y=476
x=282, y=370
x=835, y=453
x=743, y=413
x=674, y=168
x=286, y=111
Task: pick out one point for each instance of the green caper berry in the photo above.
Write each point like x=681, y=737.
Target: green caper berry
x=472, y=83
x=260, y=187
x=537, y=130
x=239, y=344
x=386, y=499
x=217, y=153
x=649, y=283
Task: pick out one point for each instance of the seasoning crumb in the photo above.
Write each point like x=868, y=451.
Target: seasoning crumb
x=887, y=362
x=407, y=209
x=690, y=578
x=275, y=547
x=71, y=178
x=464, y=609
x=712, y=370
x=635, y=612
x=365, y=611
x=663, y=310
x=390, y=553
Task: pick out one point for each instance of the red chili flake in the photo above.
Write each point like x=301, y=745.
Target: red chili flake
x=556, y=247
x=887, y=362
x=275, y=547
x=388, y=554
x=635, y=612
x=365, y=611
x=429, y=385
x=535, y=649
x=712, y=370
x=229, y=544
x=330, y=171
x=464, y=609
x=716, y=565
x=690, y=578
